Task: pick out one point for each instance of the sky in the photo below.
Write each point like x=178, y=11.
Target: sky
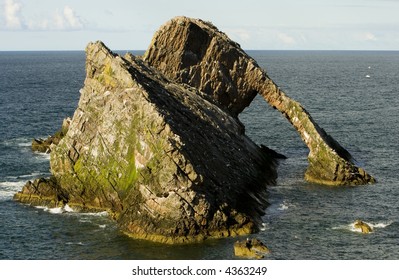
x=254, y=24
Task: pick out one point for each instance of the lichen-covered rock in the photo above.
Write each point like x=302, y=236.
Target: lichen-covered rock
x=40, y=192
x=195, y=52
x=250, y=248
x=169, y=165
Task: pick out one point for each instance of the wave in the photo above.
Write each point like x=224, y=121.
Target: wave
x=31, y=176
x=15, y=183
x=381, y=224
x=56, y=210
x=285, y=205
x=98, y=214
x=24, y=144
x=9, y=188
x=75, y=243
x=42, y=156
x=66, y=209
x=263, y=227
x=21, y=142
x=12, y=184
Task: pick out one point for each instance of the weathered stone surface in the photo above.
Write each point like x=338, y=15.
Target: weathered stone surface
x=40, y=192
x=364, y=227
x=195, y=52
x=169, y=165
x=250, y=248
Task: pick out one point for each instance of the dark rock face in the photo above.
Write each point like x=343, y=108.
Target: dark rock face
x=169, y=165
x=194, y=52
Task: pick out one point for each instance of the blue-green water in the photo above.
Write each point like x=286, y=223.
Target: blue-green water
x=352, y=95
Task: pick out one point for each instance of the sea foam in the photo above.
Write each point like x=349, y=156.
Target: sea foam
x=381, y=224
x=8, y=189
x=285, y=205
x=24, y=144
x=68, y=209
x=42, y=156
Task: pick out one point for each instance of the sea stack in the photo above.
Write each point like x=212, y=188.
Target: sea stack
x=168, y=164
x=156, y=140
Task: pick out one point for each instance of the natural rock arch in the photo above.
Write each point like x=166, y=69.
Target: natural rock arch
x=195, y=52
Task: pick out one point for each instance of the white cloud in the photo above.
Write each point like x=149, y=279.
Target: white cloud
x=66, y=19
x=72, y=20
x=239, y=34
x=12, y=14
x=368, y=36
x=285, y=39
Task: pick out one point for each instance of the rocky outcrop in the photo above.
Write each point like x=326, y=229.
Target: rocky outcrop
x=364, y=227
x=169, y=165
x=44, y=145
x=195, y=52
x=250, y=248
x=40, y=192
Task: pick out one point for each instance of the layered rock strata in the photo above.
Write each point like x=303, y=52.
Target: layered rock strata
x=195, y=52
x=169, y=165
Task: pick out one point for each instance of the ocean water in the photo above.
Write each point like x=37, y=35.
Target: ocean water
x=353, y=95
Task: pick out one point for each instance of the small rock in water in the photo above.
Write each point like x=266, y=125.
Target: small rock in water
x=365, y=228
x=250, y=248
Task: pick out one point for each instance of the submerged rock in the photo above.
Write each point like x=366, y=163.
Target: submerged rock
x=364, y=227
x=195, y=52
x=169, y=165
x=250, y=248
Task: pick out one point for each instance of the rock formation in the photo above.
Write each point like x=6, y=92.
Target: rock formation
x=157, y=142
x=364, y=227
x=169, y=165
x=250, y=248
x=42, y=191
x=196, y=53
x=44, y=145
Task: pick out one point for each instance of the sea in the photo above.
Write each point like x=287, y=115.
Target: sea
x=353, y=95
